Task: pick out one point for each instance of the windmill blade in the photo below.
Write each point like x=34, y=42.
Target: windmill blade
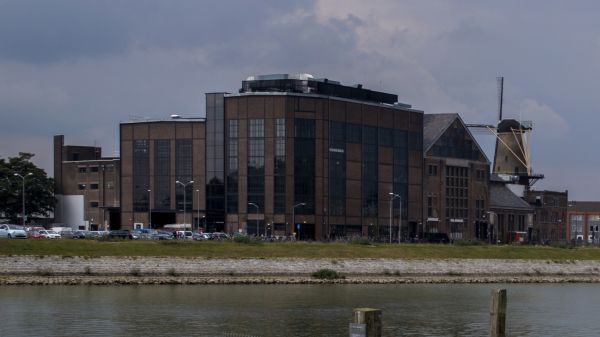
x=481, y=128
x=500, y=83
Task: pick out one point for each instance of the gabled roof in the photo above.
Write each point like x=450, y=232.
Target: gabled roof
x=504, y=198
x=434, y=126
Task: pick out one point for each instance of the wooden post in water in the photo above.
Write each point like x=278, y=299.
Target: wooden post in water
x=498, y=313
x=371, y=318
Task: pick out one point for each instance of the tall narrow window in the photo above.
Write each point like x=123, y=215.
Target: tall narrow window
x=162, y=174
x=304, y=165
x=256, y=162
x=141, y=175
x=337, y=168
x=183, y=167
x=369, y=171
x=279, y=167
x=232, y=167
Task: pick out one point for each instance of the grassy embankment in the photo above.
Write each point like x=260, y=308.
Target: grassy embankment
x=228, y=249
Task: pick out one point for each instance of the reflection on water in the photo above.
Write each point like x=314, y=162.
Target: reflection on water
x=293, y=310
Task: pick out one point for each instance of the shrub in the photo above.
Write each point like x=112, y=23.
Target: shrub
x=469, y=243
x=360, y=240
x=87, y=270
x=327, y=274
x=135, y=271
x=247, y=240
x=172, y=272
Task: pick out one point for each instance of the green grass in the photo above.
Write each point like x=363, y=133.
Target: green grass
x=230, y=249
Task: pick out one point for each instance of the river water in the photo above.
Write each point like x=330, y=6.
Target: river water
x=294, y=310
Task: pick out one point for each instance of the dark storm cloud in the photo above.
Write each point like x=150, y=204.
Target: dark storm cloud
x=43, y=32
x=51, y=31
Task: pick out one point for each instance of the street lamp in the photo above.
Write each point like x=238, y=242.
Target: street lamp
x=394, y=196
x=294, y=215
x=198, y=201
x=150, y=208
x=184, y=185
x=255, y=205
x=23, y=194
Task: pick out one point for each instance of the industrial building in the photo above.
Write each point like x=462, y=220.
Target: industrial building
x=455, y=180
x=87, y=187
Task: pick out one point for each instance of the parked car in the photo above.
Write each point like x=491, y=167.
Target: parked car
x=218, y=236
x=49, y=234
x=80, y=234
x=34, y=233
x=143, y=234
x=120, y=233
x=163, y=235
x=12, y=231
x=201, y=236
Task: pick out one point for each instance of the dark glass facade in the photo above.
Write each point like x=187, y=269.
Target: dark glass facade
x=337, y=168
x=304, y=165
x=183, y=168
x=162, y=175
x=370, y=172
x=232, y=166
x=279, y=168
x=256, y=163
x=141, y=175
x=215, y=161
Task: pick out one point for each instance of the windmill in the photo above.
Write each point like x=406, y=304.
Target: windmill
x=512, y=159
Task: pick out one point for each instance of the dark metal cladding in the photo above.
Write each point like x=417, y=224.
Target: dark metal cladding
x=317, y=86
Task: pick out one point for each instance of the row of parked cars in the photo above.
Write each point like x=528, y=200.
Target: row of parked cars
x=15, y=231
x=153, y=234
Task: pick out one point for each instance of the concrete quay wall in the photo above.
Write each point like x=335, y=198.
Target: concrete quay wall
x=134, y=270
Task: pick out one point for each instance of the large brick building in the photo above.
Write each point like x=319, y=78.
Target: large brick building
x=319, y=159
x=456, y=194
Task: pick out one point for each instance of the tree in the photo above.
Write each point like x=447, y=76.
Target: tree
x=39, y=189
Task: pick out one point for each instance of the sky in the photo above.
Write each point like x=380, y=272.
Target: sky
x=79, y=67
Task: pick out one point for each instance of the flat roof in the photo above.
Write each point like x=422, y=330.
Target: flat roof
x=166, y=120
x=397, y=106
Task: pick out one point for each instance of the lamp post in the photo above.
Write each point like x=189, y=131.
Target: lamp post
x=294, y=215
x=150, y=208
x=394, y=196
x=184, y=185
x=198, y=202
x=23, y=194
x=257, y=229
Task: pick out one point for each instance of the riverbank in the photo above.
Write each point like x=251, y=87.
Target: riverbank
x=40, y=270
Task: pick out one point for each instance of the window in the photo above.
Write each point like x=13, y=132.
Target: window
x=93, y=204
x=93, y=168
x=256, y=162
x=304, y=165
x=82, y=169
x=232, y=167
x=81, y=186
x=432, y=170
x=183, y=173
x=457, y=192
x=279, y=167
x=337, y=168
x=162, y=175
x=109, y=185
x=94, y=186
x=141, y=175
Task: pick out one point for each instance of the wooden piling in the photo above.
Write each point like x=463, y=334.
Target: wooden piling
x=498, y=313
x=372, y=319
